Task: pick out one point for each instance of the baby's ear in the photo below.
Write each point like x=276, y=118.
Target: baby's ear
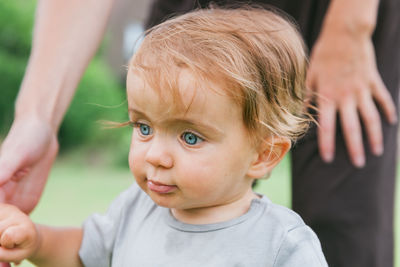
x=270, y=152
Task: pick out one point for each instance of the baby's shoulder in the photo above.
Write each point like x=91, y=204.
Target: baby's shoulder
x=279, y=217
x=290, y=238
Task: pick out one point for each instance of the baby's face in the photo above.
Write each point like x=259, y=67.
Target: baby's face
x=190, y=159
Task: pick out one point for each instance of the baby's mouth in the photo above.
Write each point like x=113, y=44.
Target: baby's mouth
x=160, y=187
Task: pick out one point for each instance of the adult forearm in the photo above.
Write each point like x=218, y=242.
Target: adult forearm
x=66, y=35
x=356, y=17
x=58, y=247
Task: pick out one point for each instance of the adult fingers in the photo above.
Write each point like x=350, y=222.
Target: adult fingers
x=372, y=123
x=8, y=167
x=384, y=100
x=20, y=174
x=352, y=132
x=326, y=129
x=3, y=196
x=26, y=192
x=310, y=86
x=12, y=167
x=7, y=190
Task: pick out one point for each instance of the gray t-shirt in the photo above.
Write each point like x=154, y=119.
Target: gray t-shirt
x=137, y=232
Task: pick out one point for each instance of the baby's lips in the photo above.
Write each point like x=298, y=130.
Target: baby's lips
x=160, y=187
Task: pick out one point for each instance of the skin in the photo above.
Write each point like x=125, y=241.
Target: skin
x=29, y=150
x=168, y=155
x=344, y=76
x=172, y=171
x=21, y=239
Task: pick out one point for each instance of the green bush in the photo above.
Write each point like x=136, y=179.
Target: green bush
x=16, y=20
x=99, y=98
x=99, y=95
x=15, y=42
x=11, y=72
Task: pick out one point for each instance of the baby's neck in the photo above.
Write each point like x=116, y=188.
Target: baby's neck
x=215, y=214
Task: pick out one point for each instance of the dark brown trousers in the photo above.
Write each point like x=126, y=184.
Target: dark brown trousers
x=350, y=209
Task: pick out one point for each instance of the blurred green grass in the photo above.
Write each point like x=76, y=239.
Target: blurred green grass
x=77, y=188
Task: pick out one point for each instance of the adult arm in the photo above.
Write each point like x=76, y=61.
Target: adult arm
x=344, y=76
x=66, y=35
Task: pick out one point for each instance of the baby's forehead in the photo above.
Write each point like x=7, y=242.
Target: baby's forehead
x=193, y=106
x=182, y=92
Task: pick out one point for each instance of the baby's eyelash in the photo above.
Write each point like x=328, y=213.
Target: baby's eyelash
x=191, y=139
x=195, y=133
x=134, y=124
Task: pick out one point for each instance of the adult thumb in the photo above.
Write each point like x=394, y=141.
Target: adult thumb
x=4, y=264
x=8, y=167
x=3, y=197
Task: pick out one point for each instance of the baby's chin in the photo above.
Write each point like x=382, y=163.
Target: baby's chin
x=166, y=200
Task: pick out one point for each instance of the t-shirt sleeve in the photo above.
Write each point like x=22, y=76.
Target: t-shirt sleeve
x=100, y=231
x=299, y=248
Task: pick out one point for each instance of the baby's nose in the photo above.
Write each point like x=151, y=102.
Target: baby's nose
x=159, y=154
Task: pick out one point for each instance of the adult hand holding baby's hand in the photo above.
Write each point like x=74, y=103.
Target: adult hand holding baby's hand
x=19, y=237
x=26, y=157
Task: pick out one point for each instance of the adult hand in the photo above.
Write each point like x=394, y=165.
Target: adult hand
x=345, y=80
x=26, y=157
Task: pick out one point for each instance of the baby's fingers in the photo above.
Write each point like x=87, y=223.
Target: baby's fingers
x=13, y=237
x=16, y=244
x=12, y=255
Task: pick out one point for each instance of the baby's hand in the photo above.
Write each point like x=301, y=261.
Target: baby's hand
x=19, y=237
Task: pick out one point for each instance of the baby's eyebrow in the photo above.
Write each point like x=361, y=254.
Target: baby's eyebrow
x=136, y=112
x=205, y=128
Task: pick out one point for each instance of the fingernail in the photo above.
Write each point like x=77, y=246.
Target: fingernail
x=394, y=119
x=378, y=150
x=327, y=157
x=359, y=161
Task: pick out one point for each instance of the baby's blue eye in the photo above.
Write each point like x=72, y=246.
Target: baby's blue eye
x=191, y=138
x=145, y=129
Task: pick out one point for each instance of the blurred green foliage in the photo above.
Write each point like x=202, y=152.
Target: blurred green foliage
x=15, y=38
x=99, y=95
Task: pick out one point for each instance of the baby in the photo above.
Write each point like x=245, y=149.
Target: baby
x=215, y=98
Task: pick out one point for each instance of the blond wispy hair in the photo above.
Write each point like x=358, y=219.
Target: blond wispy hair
x=255, y=54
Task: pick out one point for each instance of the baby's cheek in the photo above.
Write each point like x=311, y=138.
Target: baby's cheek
x=135, y=161
x=136, y=156
x=199, y=182
x=131, y=150
x=131, y=159
x=137, y=169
